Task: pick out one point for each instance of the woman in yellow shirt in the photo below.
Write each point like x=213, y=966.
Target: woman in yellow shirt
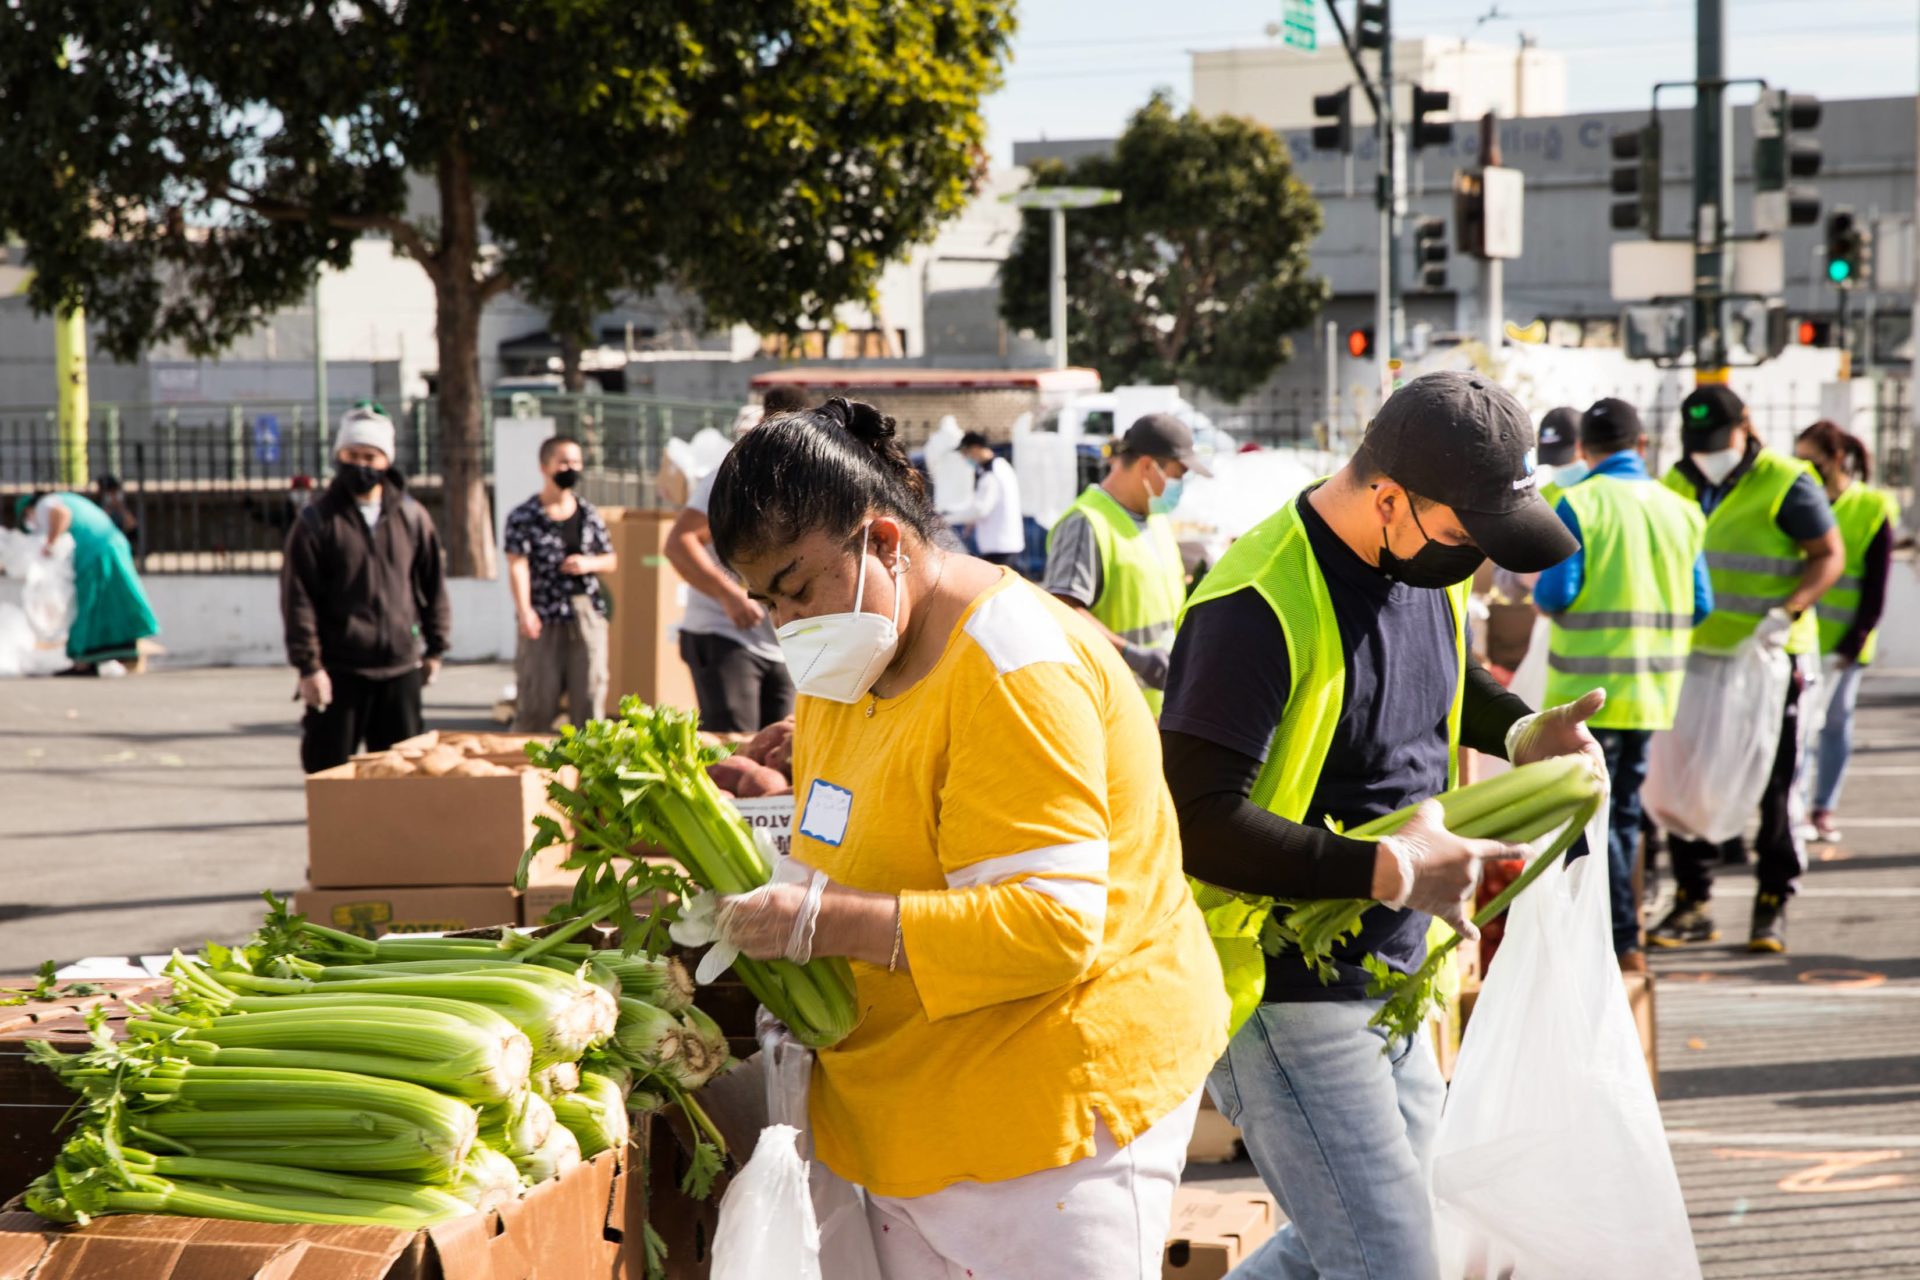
x=986, y=834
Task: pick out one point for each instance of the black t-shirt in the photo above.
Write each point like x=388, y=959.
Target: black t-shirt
x=1228, y=684
x=573, y=529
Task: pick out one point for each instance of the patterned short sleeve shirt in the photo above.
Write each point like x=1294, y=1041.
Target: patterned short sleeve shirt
x=543, y=542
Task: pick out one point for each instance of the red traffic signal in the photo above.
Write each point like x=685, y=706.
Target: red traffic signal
x=1359, y=343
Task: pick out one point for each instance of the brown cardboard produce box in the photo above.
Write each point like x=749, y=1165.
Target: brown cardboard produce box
x=1214, y=1232
x=649, y=599
x=370, y=912
x=419, y=830
x=568, y=1228
x=1215, y=1140
x=771, y=814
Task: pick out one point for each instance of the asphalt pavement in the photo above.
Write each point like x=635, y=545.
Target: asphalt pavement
x=141, y=814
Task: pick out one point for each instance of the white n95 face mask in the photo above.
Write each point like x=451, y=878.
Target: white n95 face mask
x=1717, y=465
x=838, y=656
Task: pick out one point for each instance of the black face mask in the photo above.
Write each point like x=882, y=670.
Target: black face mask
x=568, y=478
x=1435, y=564
x=360, y=478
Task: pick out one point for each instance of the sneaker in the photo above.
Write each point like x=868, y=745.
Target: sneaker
x=1689, y=922
x=1825, y=829
x=1769, y=931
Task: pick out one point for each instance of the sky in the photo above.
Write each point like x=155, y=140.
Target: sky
x=1081, y=67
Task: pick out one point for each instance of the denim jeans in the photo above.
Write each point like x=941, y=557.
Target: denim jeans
x=1342, y=1134
x=1836, y=737
x=1626, y=752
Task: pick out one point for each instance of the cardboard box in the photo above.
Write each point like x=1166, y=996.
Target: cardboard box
x=419, y=831
x=771, y=814
x=370, y=912
x=1214, y=1232
x=566, y=1228
x=1215, y=1140
x=649, y=599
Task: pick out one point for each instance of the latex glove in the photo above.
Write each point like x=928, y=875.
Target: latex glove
x=1149, y=664
x=316, y=690
x=1438, y=870
x=1559, y=731
x=775, y=921
x=702, y=916
x=1773, y=628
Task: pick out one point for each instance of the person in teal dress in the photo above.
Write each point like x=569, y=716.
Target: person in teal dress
x=111, y=614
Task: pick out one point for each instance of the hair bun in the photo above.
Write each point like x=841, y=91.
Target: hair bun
x=861, y=421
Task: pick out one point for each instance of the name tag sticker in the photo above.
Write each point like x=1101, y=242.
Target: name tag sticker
x=825, y=818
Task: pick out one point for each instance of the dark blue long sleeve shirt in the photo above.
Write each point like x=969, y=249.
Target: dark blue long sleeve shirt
x=1557, y=587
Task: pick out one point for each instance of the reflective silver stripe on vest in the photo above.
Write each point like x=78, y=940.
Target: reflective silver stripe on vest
x=1846, y=582
x=1726, y=602
x=1607, y=621
x=1615, y=666
x=1835, y=613
x=1735, y=562
x=1151, y=634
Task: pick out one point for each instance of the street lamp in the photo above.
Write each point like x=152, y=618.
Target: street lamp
x=1056, y=201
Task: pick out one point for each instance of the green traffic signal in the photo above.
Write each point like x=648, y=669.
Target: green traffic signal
x=1838, y=270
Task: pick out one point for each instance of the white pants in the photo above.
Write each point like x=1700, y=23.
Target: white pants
x=1103, y=1217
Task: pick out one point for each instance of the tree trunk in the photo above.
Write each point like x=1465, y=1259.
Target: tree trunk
x=459, y=295
x=571, y=376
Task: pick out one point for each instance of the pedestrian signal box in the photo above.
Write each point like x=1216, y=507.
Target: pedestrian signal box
x=1360, y=343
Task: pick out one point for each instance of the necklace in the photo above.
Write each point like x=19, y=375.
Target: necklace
x=873, y=703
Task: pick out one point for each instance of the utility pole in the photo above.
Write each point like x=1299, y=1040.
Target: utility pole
x=70, y=369
x=1389, y=321
x=1493, y=271
x=1056, y=201
x=322, y=427
x=1712, y=193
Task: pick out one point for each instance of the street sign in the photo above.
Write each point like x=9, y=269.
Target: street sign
x=1299, y=25
x=1062, y=197
x=1759, y=267
x=1893, y=254
x=1644, y=269
x=1503, y=210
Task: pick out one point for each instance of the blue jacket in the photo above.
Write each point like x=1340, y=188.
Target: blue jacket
x=1558, y=586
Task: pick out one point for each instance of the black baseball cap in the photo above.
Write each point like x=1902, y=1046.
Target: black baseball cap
x=1161, y=435
x=1610, y=425
x=1461, y=439
x=1708, y=417
x=1559, y=432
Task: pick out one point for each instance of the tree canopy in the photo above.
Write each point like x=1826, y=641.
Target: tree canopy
x=182, y=167
x=1199, y=273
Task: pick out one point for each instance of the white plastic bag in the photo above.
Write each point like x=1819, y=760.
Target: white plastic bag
x=1551, y=1162
x=846, y=1241
x=766, y=1230
x=1705, y=775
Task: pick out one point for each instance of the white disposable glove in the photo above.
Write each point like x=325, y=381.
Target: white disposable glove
x=1439, y=870
x=728, y=922
x=1559, y=731
x=1773, y=629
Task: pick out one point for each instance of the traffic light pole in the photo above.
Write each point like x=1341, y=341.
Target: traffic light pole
x=1388, y=320
x=1712, y=193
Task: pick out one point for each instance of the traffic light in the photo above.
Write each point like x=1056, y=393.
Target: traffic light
x=1430, y=252
x=1813, y=333
x=1337, y=109
x=1469, y=213
x=1425, y=132
x=1779, y=156
x=1846, y=249
x=1370, y=24
x=1360, y=343
x=1636, y=174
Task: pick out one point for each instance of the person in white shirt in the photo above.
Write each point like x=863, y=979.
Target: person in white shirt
x=998, y=529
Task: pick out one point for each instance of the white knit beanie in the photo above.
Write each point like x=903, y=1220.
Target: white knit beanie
x=366, y=425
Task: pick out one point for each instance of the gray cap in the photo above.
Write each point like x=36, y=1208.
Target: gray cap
x=1161, y=435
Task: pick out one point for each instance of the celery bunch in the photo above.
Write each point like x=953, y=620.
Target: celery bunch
x=1519, y=807
x=642, y=780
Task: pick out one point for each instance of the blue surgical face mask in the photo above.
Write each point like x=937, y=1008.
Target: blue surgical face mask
x=1569, y=474
x=1168, y=498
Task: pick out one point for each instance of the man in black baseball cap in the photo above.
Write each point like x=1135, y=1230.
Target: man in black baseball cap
x=1320, y=678
x=1558, y=452
x=1772, y=551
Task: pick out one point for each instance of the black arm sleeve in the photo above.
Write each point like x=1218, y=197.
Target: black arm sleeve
x=1487, y=711
x=1873, y=592
x=1232, y=842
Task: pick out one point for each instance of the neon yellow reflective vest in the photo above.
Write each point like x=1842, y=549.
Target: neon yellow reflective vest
x=1859, y=512
x=1629, y=629
x=1754, y=567
x=1143, y=580
x=1276, y=559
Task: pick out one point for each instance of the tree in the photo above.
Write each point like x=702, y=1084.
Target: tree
x=1199, y=273
x=182, y=167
